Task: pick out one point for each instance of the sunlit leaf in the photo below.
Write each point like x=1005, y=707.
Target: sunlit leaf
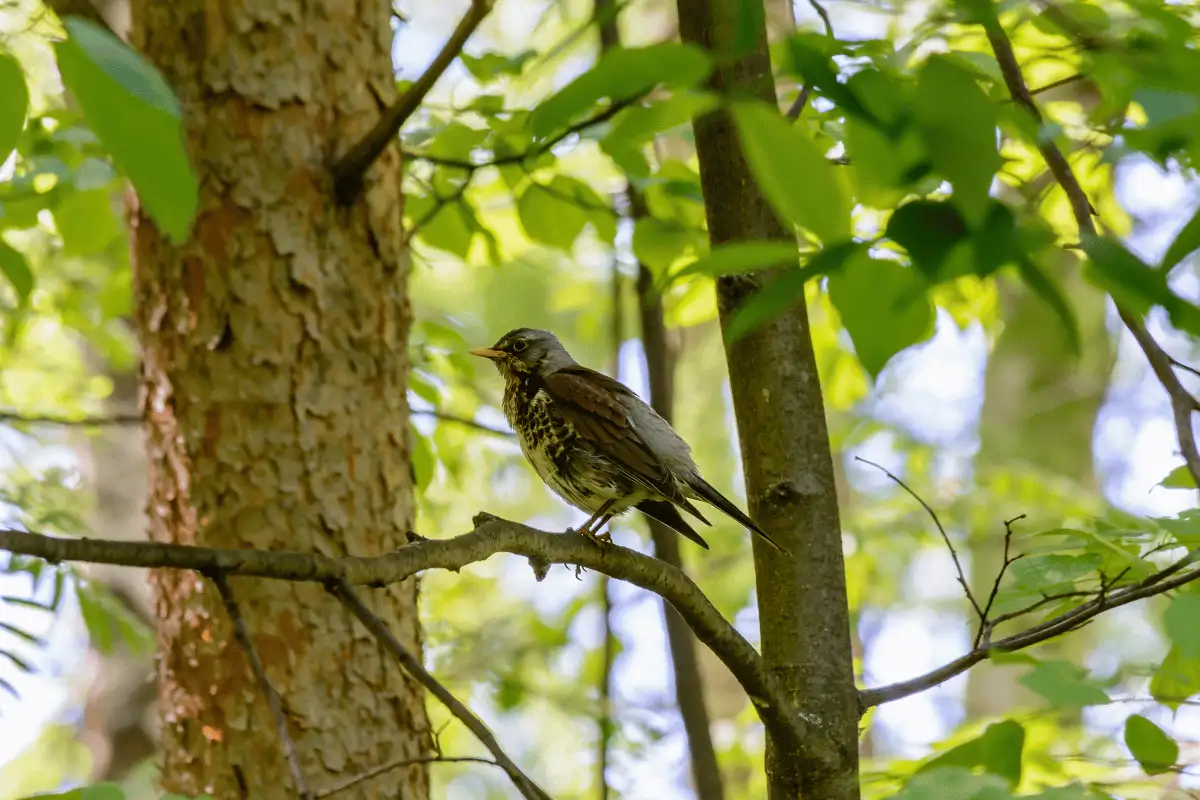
x=620, y=74
x=550, y=217
x=959, y=125
x=1064, y=685
x=1179, y=478
x=16, y=269
x=489, y=66
x=1182, y=621
x=998, y=750
x=14, y=104
x=1152, y=748
x=136, y=116
x=86, y=221
x=792, y=173
x=1186, y=242
x=1176, y=679
x=884, y=307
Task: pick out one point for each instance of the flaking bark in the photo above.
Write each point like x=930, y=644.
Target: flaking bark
x=275, y=372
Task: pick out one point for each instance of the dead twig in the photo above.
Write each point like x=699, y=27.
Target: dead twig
x=242, y=634
x=397, y=764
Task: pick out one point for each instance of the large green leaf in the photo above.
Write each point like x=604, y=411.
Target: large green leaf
x=451, y=228
x=793, y=172
x=550, y=218
x=14, y=104
x=735, y=257
x=1152, y=748
x=136, y=117
x=1064, y=685
x=657, y=243
x=1182, y=621
x=1132, y=281
x=1186, y=242
x=959, y=125
x=620, y=74
x=1176, y=679
x=787, y=289
x=954, y=783
x=641, y=123
x=86, y=221
x=883, y=306
x=1053, y=569
x=998, y=750
x=16, y=269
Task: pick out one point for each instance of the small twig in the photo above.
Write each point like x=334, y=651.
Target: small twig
x=1046, y=599
x=413, y=666
x=443, y=416
x=97, y=421
x=350, y=168
x=823, y=13
x=403, y=762
x=242, y=633
x=985, y=625
x=962, y=580
x=797, y=108
x=1185, y=367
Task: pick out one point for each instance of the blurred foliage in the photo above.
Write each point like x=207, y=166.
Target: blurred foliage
x=920, y=200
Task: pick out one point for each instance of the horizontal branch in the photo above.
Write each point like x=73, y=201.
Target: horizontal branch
x=1174, y=576
x=491, y=535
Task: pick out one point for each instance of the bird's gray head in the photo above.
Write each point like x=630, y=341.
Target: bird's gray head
x=526, y=351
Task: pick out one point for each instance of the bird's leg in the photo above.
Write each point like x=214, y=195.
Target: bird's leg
x=590, y=528
x=605, y=537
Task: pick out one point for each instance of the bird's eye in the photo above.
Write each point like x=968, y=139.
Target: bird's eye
x=520, y=346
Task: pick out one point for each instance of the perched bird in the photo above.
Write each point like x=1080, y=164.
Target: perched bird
x=595, y=443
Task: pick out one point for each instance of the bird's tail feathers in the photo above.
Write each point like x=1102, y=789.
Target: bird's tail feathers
x=710, y=495
x=669, y=515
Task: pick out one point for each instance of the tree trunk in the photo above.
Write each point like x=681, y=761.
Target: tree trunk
x=274, y=372
x=803, y=614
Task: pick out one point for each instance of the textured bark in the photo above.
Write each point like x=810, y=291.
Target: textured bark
x=785, y=444
x=275, y=370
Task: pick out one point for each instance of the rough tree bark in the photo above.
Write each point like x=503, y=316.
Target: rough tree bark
x=274, y=378
x=790, y=482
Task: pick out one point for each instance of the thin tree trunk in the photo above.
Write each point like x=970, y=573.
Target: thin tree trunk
x=660, y=367
x=275, y=373
x=790, y=481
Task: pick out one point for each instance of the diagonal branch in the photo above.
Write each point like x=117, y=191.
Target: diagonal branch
x=1174, y=576
x=350, y=168
x=242, y=633
x=1182, y=402
x=962, y=580
x=412, y=665
x=491, y=535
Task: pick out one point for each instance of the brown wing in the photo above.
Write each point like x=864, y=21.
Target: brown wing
x=591, y=402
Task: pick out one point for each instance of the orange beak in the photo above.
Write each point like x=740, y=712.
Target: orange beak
x=487, y=352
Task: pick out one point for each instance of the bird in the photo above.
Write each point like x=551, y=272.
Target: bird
x=595, y=443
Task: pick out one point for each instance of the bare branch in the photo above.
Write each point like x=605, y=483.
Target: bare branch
x=797, y=107
x=350, y=168
x=105, y=420
x=1160, y=582
x=403, y=762
x=242, y=633
x=962, y=580
x=1182, y=402
x=491, y=535
x=985, y=624
x=412, y=665
x=458, y=420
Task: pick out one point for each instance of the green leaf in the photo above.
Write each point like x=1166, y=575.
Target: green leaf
x=137, y=118
x=959, y=125
x=658, y=243
x=1176, y=679
x=1182, y=621
x=451, y=229
x=883, y=306
x=488, y=66
x=930, y=231
x=20, y=634
x=1064, y=685
x=14, y=104
x=95, y=618
x=737, y=257
x=424, y=462
x=17, y=661
x=1131, y=281
x=99, y=791
x=998, y=750
x=597, y=210
x=1179, y=478
x=1152, y=748
x=86, y=221
x=16, y=269
x=642, y=123
x=1187, y=241
x=549, y=218
x=786, y=290
x=793, y=172
x=1045, y=571
x=620, y=74
x=954, y=783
